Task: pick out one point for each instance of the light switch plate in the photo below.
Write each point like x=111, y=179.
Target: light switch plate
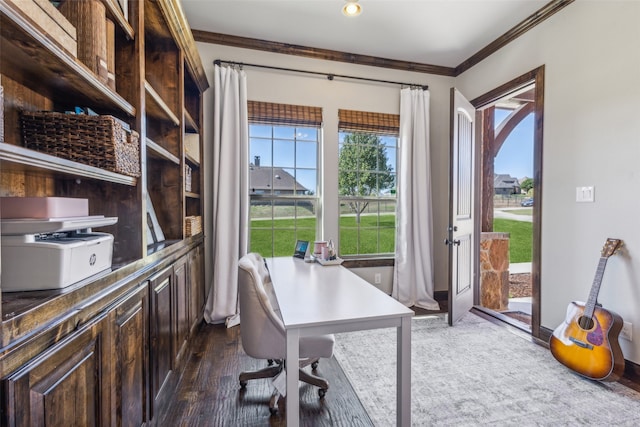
x=585, y=194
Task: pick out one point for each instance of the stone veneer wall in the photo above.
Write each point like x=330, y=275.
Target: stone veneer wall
x=494, y=270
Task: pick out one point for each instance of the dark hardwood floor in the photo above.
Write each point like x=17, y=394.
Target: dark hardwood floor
x=209, y=392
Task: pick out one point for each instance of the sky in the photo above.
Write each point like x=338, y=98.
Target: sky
x=516, y=155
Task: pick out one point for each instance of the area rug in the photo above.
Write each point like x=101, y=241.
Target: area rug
x=478, y=373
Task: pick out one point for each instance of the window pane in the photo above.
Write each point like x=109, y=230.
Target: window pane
x=306, y=155
x=260, y=180
x=262, y=131
x=307, y=134
x=367, y=190
x=260, y=152
x=284, y=132
x=284, y=240
x=277, y=217
x=307, y=179
x=283, y=153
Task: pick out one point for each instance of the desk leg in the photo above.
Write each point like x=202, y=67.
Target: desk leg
x=403, y=385
x=293, y=395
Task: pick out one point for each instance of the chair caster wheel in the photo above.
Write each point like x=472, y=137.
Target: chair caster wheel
x=243, y=384
x=322, y=392
x=314, y=365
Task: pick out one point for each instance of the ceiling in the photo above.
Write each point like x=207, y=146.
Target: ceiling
x=436, y=32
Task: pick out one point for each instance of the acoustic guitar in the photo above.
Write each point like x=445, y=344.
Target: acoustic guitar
x=587, y=341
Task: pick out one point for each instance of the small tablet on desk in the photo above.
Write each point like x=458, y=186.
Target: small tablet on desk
x=302, y=246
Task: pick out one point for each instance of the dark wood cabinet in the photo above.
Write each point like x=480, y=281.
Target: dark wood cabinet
x=161, y=331
x=122, y=366
x=181, y=308
x=131, y=357
x=196, y=287
x=68, y=385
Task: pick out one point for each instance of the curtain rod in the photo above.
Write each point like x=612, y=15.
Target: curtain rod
x=330, y=76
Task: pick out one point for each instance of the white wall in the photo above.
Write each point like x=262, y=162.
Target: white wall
x=301, y=89
x=591, y=53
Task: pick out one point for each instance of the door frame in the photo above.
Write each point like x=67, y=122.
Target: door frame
x=535, y=76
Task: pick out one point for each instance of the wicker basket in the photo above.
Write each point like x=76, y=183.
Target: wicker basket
x=99, y=141
x=192, y=225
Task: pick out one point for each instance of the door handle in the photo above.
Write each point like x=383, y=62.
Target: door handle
x=455, y=242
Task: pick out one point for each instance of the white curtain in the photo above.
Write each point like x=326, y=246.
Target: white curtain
x=229, y=188
x=413, y=274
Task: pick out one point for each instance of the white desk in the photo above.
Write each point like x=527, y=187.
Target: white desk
x=320, y=300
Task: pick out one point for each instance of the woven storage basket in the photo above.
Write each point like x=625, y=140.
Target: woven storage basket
x=99, y=141
x=192, y=225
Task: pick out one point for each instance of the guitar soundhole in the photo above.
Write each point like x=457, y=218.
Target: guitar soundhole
x=585, y=322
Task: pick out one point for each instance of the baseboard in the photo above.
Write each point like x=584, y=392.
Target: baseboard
x=631, y=377
x=441, y=296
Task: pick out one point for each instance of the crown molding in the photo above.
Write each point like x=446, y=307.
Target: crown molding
x=315, y=53
x=332, y=55
x=530, y=22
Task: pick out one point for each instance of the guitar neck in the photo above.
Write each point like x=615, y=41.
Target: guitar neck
x=595, y=288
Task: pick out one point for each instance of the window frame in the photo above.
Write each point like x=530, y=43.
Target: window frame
x=382, y=132
x=272, y=197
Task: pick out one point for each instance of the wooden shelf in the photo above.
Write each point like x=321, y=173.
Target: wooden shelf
x=157, y=108
x=31, y=58
x=192, y=195
x=34, y=160
x=191, y=160
x=190, y=124
x=158, y=151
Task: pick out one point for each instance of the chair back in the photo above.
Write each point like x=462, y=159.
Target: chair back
x=261, y=328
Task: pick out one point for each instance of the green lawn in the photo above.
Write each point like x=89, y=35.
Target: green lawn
x=284, y=235
x=520, y=243
x=354, y=240
x=520, y=211
x=373, y=229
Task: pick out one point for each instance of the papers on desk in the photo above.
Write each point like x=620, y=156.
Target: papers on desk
x=336, y=261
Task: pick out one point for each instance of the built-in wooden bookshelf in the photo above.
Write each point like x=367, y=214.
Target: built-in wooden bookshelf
x=127, y=329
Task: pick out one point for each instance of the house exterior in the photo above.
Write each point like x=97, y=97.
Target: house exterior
x=506, y=185
x=268, y=180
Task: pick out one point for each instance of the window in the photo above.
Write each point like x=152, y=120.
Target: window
x=283, y=176
x=368, y=144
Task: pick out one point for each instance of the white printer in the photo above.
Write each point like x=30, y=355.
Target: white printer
x=51, y=252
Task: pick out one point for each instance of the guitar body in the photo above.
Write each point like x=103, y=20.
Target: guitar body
x=592, y=351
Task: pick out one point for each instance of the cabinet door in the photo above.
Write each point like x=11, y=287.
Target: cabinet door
x=66, y=386
x=181, y=308
x=196, y=280
x=131, y=366
x=161, y=337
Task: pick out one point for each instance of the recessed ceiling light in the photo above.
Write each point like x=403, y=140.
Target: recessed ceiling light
x=352, y=8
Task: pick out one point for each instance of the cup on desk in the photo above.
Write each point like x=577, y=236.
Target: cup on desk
x=324, y=253
x=317, y=247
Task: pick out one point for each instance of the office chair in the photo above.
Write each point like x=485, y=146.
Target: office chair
x=262, y=331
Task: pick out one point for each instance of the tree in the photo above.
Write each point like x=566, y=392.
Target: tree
x=364, y=169
x=526, y=184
